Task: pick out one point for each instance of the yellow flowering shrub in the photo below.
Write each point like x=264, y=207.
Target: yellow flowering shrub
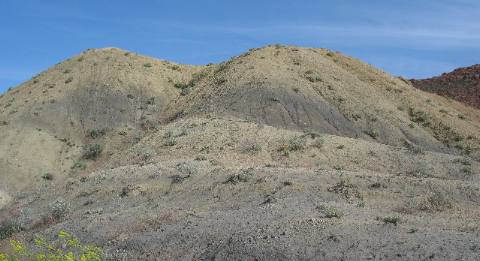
x=65, y=248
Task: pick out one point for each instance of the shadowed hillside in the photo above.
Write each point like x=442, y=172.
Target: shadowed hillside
x=98, y=97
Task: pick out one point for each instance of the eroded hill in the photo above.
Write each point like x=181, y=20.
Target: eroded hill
x=104, y=96
x=281, y=153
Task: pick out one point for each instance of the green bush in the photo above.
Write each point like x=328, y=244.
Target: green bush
x=330, y=212
x=95, y=133
x=297, y=143
x=419, y=117
x=391, y=219
x=92, y=151
x=245, y=175
x=8, y=228
x=186, y=168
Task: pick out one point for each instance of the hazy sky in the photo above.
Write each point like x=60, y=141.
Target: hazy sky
x=418, y=38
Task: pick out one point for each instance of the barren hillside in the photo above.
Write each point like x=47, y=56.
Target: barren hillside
x=102, y=96
x=281, y=153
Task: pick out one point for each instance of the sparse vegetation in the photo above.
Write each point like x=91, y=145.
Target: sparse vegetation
x=92, y=151
x=186, y=168
x=79, y=165
x=147, y=65
x=59, y=209
x=346, y=189
x=372, y=133
x=47, y=176
x=391, y=219
x=419, y=117
x=250, y=147
x=8, y=228
x=65, y=248
x=68, y=80
x=330, y=211
x=420, y=170
x=169, y=142
x=96, y=133
x=318, y=143
x=297, y=143
x=245, y=175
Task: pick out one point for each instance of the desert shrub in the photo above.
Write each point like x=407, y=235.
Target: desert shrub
x=419, y=117
x=186, y=168
x=147, y=65
x=250, y=147
x=8, y=228
x=150, y=101
x=92, y=151
x=330, y=212
x=420, y=170
x=200, y=158
x=297, y=143
x=372, y=133
x=284, y=150
x=346, y=189
x=47, y=176
x=174, y=67
x=313, y=78
x=65, y=248
x=467, y=170
x=185, y=88
x=96, y=133
x=177, y=179
x=318, y=143
x=79, y=165
x=58, y=209
x=67, y=71
x=169, y=142
x=145, y=154
x=434, y=201
x=391, y=219
x=413, y=148
x=462, y=117
x=69, y=80
x=245, y=175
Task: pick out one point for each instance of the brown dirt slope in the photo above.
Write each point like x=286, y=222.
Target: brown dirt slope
x=463, y=84
x=91, y=98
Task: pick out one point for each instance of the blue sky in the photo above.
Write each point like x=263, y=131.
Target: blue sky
x=418, y=38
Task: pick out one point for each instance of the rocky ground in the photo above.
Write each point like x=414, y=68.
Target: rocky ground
x=462, y=84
